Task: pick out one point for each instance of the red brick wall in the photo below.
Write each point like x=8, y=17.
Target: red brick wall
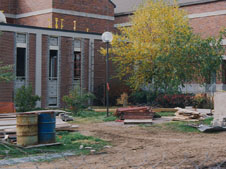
x=24, y=6
x=102, y=7
x=7, y=56
x=45, y=52
x=10, y=20
x=206, y=26
x=66, y=67
x=82, y=23
x=8, y=6
x=39, y=20
x=207, y=7
x=100, y=66
x=122, y=19
x=32, y=59
x=99, y=63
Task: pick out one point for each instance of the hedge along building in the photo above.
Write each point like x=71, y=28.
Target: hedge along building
x=207, y=18
x=54, y=45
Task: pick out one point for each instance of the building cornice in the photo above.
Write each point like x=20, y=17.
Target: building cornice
x=60, y=11
x=190, y=16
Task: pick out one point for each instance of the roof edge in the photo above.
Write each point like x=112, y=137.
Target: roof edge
x=50, y=29
x=112, y=3
x=180, y=5
x=197, y=2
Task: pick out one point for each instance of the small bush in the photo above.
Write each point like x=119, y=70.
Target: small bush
x=123, y=100
x=25, y=100
x=77, y=99
x=138, y=97
x=202, y=101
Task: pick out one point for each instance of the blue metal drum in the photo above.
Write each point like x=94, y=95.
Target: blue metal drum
x=46, y=127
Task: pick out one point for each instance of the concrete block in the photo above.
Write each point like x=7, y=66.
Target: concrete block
x=219, y=109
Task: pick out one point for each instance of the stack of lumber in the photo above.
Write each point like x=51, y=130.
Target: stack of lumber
x=135, y=115
x=187, y=115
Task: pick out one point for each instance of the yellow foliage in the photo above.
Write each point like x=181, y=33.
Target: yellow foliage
x=123, y=100
x=160, y=50
x=154, y=25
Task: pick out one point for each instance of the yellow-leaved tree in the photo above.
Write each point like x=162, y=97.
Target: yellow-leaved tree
x=160, y=50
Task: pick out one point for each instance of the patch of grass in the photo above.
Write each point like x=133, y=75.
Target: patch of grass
x=181, y=126
x=207, y=121
x=85, y=114
x=110, y=118
x=93, y=117
x=166, y=113
x=70, y=142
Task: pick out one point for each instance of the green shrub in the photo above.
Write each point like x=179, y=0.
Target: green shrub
x=138, y=97
x=25, y=100
x=77, y=99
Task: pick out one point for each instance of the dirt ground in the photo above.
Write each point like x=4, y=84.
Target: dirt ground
x=144, y=147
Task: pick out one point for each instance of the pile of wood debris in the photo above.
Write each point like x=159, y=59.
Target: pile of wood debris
x=135, y=115
x=187, y=115
x=8, y=126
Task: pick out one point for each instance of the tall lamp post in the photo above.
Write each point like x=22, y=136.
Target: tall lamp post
x=107, y=38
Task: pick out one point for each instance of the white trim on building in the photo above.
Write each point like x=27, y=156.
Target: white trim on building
x=60, y=11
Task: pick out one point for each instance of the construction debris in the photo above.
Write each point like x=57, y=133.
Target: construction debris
x=65, y=117
x=42, y=145
x=187, y=115
x=134, y=121
x=8, y=125
x=208, y=129
x=135, y=113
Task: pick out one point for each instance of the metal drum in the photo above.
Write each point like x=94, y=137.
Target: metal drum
x=27, y=129
x=46, y=127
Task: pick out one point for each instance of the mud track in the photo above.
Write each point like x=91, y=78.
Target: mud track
x=144, y=147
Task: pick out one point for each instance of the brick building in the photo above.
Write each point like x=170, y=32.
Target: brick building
x=207, y=18
x=54, y=45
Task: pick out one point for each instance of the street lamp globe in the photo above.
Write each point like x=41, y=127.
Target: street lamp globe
x=2, y=18
x=107, y=37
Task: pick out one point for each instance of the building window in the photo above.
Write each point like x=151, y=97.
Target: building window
x=77, y=65
x=53, y=41
x=21, y=38
x=53, y=62
x=21, y=62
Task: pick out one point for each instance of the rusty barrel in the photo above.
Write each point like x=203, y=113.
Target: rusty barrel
x=46, y=127
x=27, y=129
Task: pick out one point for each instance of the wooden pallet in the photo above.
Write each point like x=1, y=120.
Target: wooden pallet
x=136, y=121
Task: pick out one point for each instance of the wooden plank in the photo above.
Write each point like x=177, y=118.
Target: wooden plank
x=43, y=145
x=139, y=113
x=164, y=110
x=137, y=117
x=104, y=110
x=136, y=121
